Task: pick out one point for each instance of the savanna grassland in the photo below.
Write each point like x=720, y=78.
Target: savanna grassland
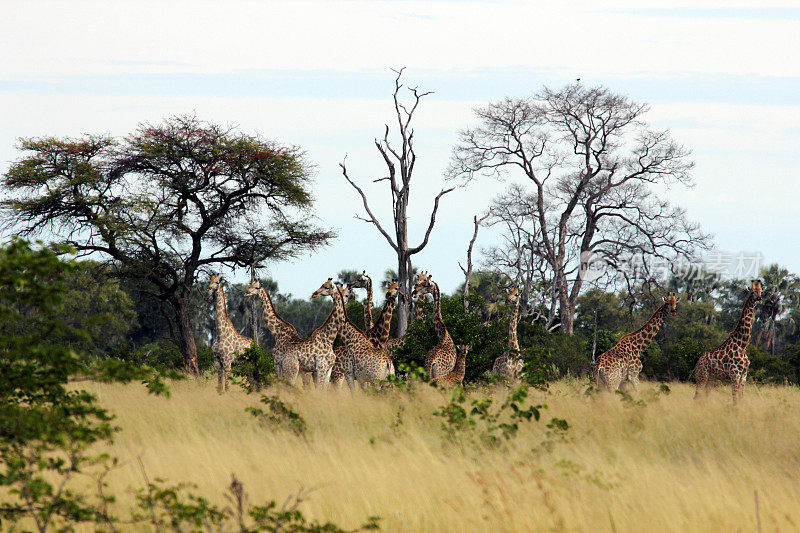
x=658, y=462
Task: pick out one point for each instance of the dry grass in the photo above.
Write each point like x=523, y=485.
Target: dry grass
x=670, y=465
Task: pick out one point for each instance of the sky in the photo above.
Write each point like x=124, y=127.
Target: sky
x=724, y=80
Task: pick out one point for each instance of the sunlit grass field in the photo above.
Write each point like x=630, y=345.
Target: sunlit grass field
x=667, y=465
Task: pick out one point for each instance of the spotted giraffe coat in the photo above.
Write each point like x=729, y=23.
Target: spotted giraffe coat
x=456, y=376
x=441, y=359
x=509, y=365
x=362, y=361
x=621, y=364
x=290, y=347
x=228, y=343
x=730, y=359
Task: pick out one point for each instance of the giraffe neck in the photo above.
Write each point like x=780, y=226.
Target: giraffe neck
x=438, y=323
x=276, y=325
x=513, y=344
x=644, y=335
x=348, y=331
x=224, y=324
x=460, y=369
x=368, y=324
x=326, y=333
x=745, y=325
x=381, y=327
x=418, y=314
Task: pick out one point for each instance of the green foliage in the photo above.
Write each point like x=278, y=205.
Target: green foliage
x=485, y=424
x=46, y=430
x=165, y=506
x=257, y=366
x=165, y=354
x=487, y=341
x=165, y=201
x=279, y=416
x=116, y=370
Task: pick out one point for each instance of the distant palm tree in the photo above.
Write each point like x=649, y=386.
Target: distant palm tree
x=781, y=289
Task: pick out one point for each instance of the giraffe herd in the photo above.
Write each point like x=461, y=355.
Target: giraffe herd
x=365, y=356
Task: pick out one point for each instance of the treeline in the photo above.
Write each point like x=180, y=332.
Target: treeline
x=122, y=323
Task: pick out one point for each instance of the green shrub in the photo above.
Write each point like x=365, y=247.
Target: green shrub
x=257, y=366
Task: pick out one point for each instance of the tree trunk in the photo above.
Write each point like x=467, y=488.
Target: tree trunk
x=185, y=339
x=404, y=296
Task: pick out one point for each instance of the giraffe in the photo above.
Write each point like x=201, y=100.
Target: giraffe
x=229, y=343
x=730, y=359
x=379, y=332
x=362, y=361
x=441, y=358
x=457, y=374
x=292, y=353
x=509, y=365
x=338, y=370
x=621, y=364
x=337, y=374
x=364, y=282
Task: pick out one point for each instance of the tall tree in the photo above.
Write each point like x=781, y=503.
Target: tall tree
x=400, y=159
x=166, y=202
x=594, y=166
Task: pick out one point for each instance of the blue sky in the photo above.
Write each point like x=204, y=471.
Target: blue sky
x=724, y=80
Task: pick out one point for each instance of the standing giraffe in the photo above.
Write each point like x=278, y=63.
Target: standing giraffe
x=621, y=364
x=364, y=282
x=293, y=353
x=509, y=365
x=229, y=343
x=337, y=373
x=457, y=374
x=441, y=359
x=362, y=361
x=730, y=360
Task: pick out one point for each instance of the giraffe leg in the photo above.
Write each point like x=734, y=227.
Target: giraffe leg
x=737, y=383
x=634, y=381
x=218, y=366
x=291, y=370
x=701, y=380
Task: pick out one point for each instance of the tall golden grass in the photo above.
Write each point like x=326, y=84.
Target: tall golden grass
x=668, y=465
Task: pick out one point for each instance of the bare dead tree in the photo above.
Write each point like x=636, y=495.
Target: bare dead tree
x=468, y=271
x=400, y=160
x=592, y=163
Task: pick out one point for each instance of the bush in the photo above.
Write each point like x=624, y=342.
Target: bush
x=257, y=366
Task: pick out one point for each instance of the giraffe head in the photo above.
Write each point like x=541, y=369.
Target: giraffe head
x=214, y=283
x=513, y=295
x=255, y=287
x=463, y=349
x=361, y=282
x=393, y=289
x=347, y=293
x=423, y=286
x=326, y=289
x=672, y=300
x=755, y=286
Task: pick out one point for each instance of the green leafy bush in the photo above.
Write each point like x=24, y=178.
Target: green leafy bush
x=256, y=366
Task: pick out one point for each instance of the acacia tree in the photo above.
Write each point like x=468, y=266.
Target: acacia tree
x=591, y=161
x=165, y=203
x=400, y=160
